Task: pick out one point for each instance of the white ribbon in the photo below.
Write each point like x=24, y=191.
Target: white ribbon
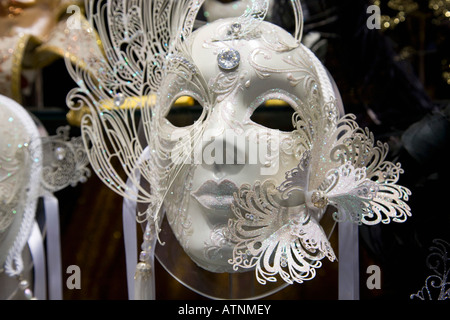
x=130, y=239
x=348, y=240
x=51, y=265
x=348, y=261
x=51, y=206
x=36, y=245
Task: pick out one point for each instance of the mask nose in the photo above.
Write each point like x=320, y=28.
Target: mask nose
x=224, y=155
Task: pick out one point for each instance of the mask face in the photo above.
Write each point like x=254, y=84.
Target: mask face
x=225, y=149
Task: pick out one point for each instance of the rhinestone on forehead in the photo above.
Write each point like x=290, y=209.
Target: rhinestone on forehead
x=228, y=59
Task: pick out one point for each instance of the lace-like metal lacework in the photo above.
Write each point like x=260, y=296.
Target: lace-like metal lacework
x=65, y=161
x=437, y=285
x=20, y=173
x=340, y=168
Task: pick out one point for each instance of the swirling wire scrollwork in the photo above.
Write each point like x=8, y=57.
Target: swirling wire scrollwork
x=437, y=285
x=65, y=161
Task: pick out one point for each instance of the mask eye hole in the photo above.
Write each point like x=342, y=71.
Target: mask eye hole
x=184, y=112
x=274, y=114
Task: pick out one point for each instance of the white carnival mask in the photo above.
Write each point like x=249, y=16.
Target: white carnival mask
x=238, y=196
x=31, y=165
x=230, y=150
x=20, y=166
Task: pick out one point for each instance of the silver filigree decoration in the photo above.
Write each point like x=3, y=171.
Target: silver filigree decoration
x=437, y=286
x=300, y=71
x=218, y=245
x=65, y=161
x=246, y=25
x=346, y=170
x=249, y=21
x=277, y=228
x=142, y=45
x=273, y=239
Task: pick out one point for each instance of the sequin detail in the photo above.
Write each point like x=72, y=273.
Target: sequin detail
x=228, y=59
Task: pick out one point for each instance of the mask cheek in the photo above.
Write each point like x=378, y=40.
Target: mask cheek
x=272, y=150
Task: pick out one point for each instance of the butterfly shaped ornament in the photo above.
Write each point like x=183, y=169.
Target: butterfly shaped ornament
x=277, y=227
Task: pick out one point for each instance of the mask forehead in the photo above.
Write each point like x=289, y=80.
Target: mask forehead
x=269, y=59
